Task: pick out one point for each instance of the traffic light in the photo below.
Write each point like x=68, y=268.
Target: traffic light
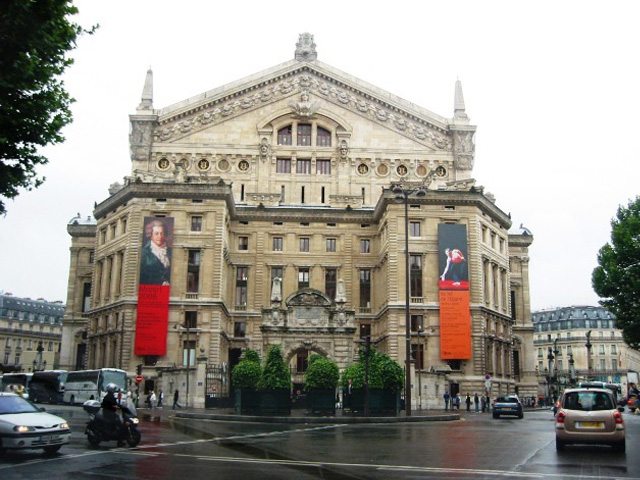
x=139, y=369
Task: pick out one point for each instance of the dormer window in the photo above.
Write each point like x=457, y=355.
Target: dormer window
x=304, y=134
x=285, y=136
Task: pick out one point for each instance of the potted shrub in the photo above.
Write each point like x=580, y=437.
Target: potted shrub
x=246, y=377
x=320, y=384
x=275, y=384
x=386, y=379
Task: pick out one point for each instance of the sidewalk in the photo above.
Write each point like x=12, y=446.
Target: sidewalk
x=298, y=416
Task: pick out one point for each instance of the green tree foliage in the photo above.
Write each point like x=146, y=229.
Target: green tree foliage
x=246, y=374
x=384, y=373
x=276, y=374
x=617, y=278
x=322, y=373
x=35, y=37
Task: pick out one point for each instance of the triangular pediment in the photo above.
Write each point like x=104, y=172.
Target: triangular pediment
x=289, y=81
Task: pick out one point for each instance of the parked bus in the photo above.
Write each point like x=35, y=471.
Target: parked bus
x=16, y=383
x=84, y=385
x=47, y=386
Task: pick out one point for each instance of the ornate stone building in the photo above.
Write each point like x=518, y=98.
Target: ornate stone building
x=275, y=197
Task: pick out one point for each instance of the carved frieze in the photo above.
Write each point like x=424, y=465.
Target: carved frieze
x=464, y=150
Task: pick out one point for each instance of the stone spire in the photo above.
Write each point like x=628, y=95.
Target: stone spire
x=458, y=108
x=146, y=103
x=306, y=48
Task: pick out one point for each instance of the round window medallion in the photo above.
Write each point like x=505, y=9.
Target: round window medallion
x=163, y=164
x=223, y=165
x=401, y=169
x=383, y=169
x=421, y=170
x=441, y=171
x=203, y=164
x=243, y=166
x=363, y=169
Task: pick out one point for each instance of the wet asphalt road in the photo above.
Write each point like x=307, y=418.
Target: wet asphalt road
x=476, y=447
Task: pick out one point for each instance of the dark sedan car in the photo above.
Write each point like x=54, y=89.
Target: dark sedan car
x=507, y=405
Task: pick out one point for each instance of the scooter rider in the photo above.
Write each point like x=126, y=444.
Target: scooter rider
x=110, y=407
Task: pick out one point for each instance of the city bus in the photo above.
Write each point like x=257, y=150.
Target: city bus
x=47, y=386
x=614, y=388
x=16, y=382
x=84, y=385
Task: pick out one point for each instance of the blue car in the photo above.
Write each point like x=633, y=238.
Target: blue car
x=507, y=405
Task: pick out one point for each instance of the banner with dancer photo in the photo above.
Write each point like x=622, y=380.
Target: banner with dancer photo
x=154, y=287
x=455, y=314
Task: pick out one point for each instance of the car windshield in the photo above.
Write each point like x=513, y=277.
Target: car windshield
x=587, y=401
x=507, y=400
x=11, y=404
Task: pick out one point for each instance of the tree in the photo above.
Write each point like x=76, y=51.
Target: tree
x=276, y=374
x=322, y=373
x=34, y=106
x=246, y=374
x=617, y=278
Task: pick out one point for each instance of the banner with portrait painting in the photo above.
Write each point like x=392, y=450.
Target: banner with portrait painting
x=154, y=286
x=453, y=281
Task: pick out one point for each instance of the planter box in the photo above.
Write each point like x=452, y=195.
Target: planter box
x=275, y=402
x=380, y=401
x=322, y=401
x=247, y=401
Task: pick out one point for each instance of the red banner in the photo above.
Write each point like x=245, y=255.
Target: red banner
x=153, y=291
x=455, y=325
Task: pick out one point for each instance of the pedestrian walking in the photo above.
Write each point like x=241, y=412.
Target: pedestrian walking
x=484, y=403
x=176, y=396
x=160, y=398
x=447, y=399
x=476, y=402
x=152, y=400
x=468, y=402
x=457, y=401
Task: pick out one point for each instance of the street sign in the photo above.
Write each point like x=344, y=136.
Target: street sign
x=139, y=379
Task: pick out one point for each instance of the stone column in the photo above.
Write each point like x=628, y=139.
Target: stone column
x=201, y=381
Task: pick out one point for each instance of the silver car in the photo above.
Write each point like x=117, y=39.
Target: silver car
x=24, y=425
x=589, y=416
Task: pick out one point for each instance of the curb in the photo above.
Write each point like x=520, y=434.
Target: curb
x=325, y=420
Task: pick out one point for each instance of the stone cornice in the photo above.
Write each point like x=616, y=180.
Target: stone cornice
x=76, y=230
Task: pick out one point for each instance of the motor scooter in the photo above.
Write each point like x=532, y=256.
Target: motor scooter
x=100, y=429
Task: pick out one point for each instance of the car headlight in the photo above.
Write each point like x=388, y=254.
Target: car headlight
x=64, y=426
x=23, y=429
x=135, y=421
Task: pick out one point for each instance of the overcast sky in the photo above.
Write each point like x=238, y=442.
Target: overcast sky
x=552, y=86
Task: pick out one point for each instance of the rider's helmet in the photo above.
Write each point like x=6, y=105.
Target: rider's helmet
x=113, y=388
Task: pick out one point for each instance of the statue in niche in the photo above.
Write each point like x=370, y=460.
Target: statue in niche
x=305, y=108
x=265, y=149
x=276, y=290
x=344, y=150
x=180, y=171
x=341, y=294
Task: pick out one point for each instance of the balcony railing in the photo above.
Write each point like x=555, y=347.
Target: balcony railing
x=191, y=295
x=416, y=300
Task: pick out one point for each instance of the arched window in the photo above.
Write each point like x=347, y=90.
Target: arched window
x=304, y=135
x=323, y=138
x=285, y=136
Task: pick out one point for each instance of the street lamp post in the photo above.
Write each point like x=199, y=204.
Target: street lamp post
x=555, y=365
x=402, y=193
x=571, y=369
x=551, y=372
x=588, y=345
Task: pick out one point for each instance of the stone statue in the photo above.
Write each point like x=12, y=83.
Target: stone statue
x=341, y=295
x=276, y=290
x=305, y=108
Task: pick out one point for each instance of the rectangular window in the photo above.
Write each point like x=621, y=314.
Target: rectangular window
x=283, y=165
x=365, y=288
x=303, y=278
x=569, y=352
x=239, y=329
x=365, y=245
x=614, y=350
x=304, y=244
x=414, y=229
x=417, y=355
x=614, y=364
x=285, y=136
x=189, y=353
x=330, y=282
x=323, y=167
x=603, y=364
x=415, y=275
x=303, y=166
x=277, y=244
x=304, y=135
x=365, y=330
x=191, y=319
x=86, y=296
x=193, y=271
x=323, y=137
x=302, y=361
x=601, y=349
x=331, y=244
x=416, y=323
x=243, y=243
x=196, y=223
x=242, y=276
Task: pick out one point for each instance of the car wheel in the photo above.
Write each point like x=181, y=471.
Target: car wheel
x=560, y=445
x=619, y=447
x=496, y=415
x=52, y=450
x=521, y=416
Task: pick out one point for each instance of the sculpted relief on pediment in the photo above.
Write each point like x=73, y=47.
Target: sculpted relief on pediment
x=303, y=83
